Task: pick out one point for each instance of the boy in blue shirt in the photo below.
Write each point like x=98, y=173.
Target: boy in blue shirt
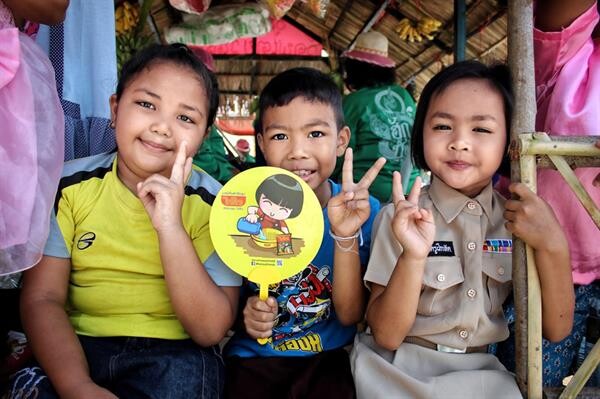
x=310, y=317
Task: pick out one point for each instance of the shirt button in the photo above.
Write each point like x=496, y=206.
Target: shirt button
x=441, y=277
x=471, y=246
x=471, y=205
x=500, y=270
x=471, y=293
x=464, y=334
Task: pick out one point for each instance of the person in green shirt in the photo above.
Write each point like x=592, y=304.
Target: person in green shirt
x=212, y=158
x=379, y=113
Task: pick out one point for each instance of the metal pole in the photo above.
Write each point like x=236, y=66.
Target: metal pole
x=460, y=30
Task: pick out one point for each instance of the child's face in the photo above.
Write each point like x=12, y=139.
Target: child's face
x=302, y=137
x=272, y=209
x=160, y=108
x=464, y=135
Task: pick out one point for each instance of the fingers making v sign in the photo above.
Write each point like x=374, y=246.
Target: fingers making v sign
x=349, y=209
x=163, y=197
x=413, y=226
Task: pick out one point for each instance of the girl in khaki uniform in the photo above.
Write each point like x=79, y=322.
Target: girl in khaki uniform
x=440, y=266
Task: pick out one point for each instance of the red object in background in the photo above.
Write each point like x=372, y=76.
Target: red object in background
x=237, y=126
x=284, y=39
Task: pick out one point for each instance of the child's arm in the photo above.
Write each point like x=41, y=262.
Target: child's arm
x=532, y=220
x=47, y=12
x=259, y=317
x=347, y=212
x=205, y=310
x=392, y=309
x=52, y=338
x=553, y=15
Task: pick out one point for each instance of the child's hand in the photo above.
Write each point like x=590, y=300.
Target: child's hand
x=348, y=210
x=259, y=317
x=162, y=197
x=413, y=227
x=531, y=219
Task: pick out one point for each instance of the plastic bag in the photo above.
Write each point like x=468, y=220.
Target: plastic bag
x=191, y=6
x=278, y=8
x=31, y=149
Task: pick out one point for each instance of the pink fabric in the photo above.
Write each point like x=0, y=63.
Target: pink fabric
x=567, y=70
x=31, y=148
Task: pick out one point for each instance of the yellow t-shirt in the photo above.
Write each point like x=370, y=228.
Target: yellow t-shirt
x=117, y=287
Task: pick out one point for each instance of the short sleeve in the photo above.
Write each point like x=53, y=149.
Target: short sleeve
x=221, y=274
x=385, y=250
x=60, y=238
x=367, y=229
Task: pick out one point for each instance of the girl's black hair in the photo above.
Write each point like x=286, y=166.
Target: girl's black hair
x=359, y=74
x=308, y=83
x=178, y=54
x=282, y=190
x=499, y=77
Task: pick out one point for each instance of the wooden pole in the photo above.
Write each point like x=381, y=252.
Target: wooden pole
x=520, y=57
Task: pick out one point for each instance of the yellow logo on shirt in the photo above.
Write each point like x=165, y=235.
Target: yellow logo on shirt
x=308, y=343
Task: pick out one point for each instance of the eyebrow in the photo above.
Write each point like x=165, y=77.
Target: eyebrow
x=310, y=124
x=182, y=105
x=446, y=115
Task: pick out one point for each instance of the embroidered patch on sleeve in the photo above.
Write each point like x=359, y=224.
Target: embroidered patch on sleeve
x=442, y=248
x=496, y=245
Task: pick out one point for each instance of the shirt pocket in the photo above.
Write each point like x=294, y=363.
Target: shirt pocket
x=441, y=284
x=497, y=279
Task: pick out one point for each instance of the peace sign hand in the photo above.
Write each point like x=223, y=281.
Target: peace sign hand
x=163, y=198
x=413, y=227
x=349, y=209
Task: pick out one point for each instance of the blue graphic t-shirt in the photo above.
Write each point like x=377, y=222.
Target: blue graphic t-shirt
x=306, y=323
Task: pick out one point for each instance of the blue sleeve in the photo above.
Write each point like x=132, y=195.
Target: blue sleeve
x=221, y=274
x=55, y=245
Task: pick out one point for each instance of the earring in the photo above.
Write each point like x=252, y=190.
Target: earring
x=112, y=124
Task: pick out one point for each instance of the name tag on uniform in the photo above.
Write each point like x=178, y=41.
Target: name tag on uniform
x=497, y=245
x=442, y=248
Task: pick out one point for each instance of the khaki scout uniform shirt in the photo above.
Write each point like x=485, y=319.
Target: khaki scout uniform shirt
x=468, y=271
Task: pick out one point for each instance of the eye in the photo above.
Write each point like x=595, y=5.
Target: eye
x=482, y=130
x=145, y=104
x=316, y=133
x=441, y=127
x=185, y=119
x=279, y=136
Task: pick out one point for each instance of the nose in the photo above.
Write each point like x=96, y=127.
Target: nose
x=160, y=127
x=298, y=149
x=459, y=141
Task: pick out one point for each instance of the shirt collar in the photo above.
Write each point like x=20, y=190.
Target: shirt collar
x=449, y=202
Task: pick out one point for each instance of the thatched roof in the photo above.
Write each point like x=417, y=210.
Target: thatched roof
x=416, y=62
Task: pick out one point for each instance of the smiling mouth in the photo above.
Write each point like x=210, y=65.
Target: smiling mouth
x=458, y=165
x=155, y=147
x=303, y=173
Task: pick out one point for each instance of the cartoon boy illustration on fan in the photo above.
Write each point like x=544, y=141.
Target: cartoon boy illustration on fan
x=279, y=197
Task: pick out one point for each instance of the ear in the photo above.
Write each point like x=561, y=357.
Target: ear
x=113, y=104
x=260, y=142
x=343, y=138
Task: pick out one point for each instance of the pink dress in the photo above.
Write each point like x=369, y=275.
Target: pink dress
x=31, y=147
x=567, y=71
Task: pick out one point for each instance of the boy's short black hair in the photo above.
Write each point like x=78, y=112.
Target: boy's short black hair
x=282, y=190
x=499, y=77
x=178, y=54
x=308, y=83
x=358, y=74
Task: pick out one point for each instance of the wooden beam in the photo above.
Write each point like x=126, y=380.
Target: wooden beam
x=520, y=59
x=340, y=18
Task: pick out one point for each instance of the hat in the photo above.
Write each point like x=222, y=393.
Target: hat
x=204, y=56
x=371, y=47
x=242, y=145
